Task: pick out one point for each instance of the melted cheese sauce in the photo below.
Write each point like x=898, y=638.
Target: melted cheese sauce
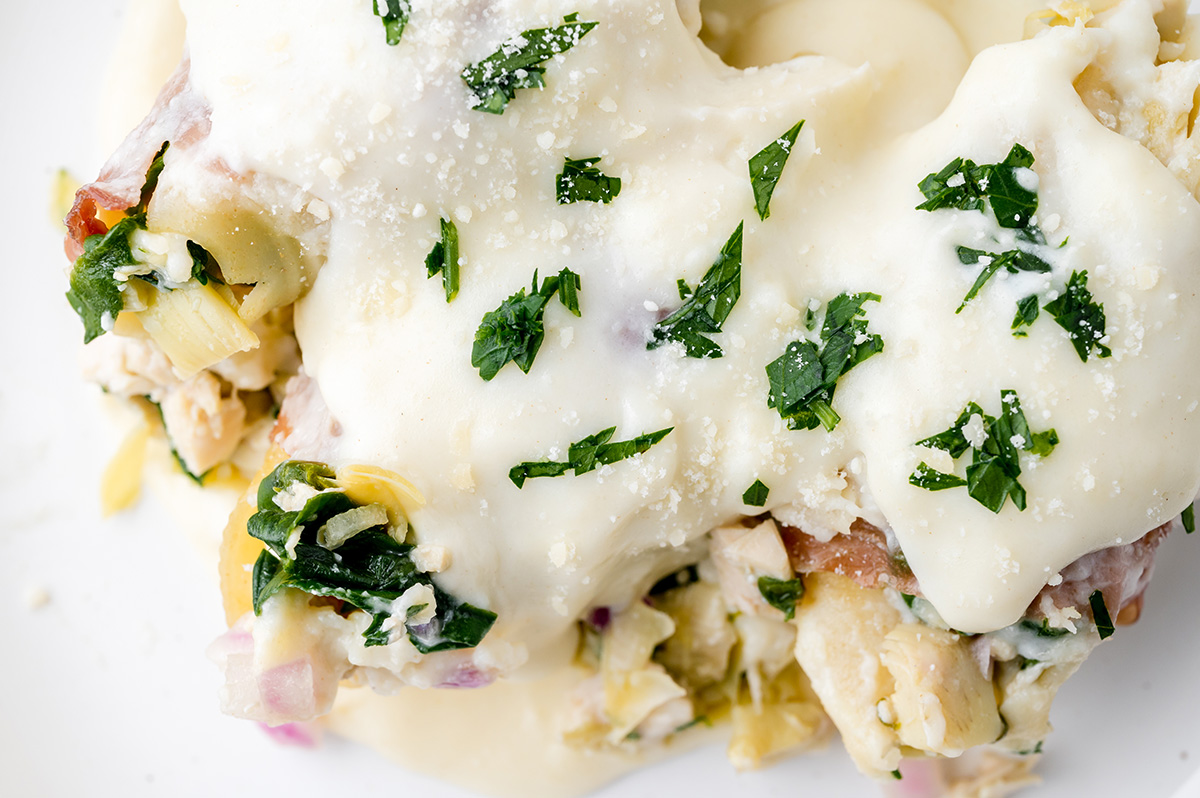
x=387, y=139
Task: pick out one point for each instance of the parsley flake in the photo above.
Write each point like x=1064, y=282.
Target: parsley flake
x=443, y=259
x=782, y=594
x=1104, y=624
x=706, y=307
x=996, y=443
x=513, y=332
x=803, y=379
x=756, y=494
x=1013, y=260
x=1081, y=316
x=766, y=167
x=1028, y=310
x=517, y=63
x=581, y=181
x=964, y=185
x=395, y=16
x=587, y=454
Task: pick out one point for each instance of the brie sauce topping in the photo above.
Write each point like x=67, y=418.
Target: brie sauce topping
x=387, y=140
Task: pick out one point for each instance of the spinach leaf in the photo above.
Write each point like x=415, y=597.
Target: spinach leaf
x=513, y=332
x=95, y=293
x=1081, y=316
x=443, y=259
x=581, y=181
x=756, y=494
x=587, y=454
x=1188, y=518
x=803, y=379
x=517, y=63
x=369, y=571
x=766, y=167
x=705, y=308
x=782, y=594
x=395, y=16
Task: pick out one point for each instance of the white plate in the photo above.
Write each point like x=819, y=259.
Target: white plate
x=106, y=690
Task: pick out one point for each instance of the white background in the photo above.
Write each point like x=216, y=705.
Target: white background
x=106, y=691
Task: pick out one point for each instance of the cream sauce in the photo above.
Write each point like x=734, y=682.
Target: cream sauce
x=386, y=137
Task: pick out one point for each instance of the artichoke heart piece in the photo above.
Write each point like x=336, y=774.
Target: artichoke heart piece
x=942, y=701
x=195, y=327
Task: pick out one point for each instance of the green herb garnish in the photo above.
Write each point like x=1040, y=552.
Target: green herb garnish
x=1081, y=316
x=513, y=332
x=991, y=477
x=766, y=167
x=586, y=455
x=1044, y=629
x=517, y=64
x=782, y=594
x=1188, y=517
x=1104, y=624
x=804, y=377
x=706, y=307
x=1027, y=313
x=581, y=181
x=1013, y=260
x=443, y=259
x=395, y=16
x=369, y=571
x=756, y=494
x=967, y=186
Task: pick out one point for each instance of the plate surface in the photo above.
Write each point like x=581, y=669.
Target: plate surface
x=106, y=687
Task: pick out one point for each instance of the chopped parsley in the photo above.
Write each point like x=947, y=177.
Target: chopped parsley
x=756, y=494
x=996, y=443
x=586, y=455
x=370, y=571
x=766, y=167
x=967, y=186
x=1013, y=260
x=782, y=594
x=1188, y=518
x=1044, y=629
x=513, y=332
x=804, y=377
x=443, y=259
x=1027, y=313
x=95, y=293
x=1081, y=316
x=1104, y=624
x=581, y=181
x=395, y=17
x=517, y=63
x=705, y=308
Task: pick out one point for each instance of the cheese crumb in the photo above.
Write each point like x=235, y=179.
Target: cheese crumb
x=378, y=113
x=319, y=209
x=36, y=598
x=333, y=168
x=430, y=559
